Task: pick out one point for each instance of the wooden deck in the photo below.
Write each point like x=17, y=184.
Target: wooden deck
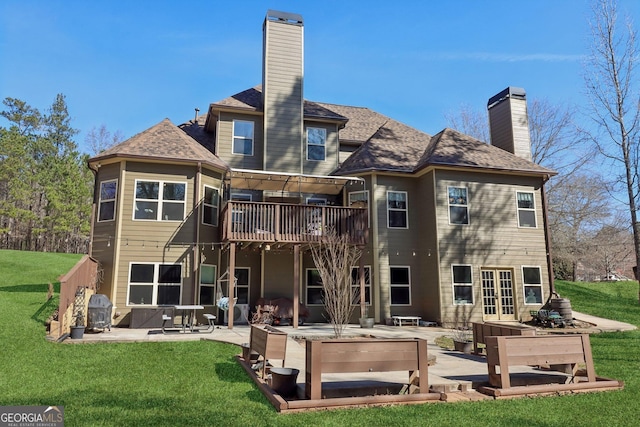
x=285, y=223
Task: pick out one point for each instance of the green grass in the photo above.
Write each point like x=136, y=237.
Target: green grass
x=199, y=383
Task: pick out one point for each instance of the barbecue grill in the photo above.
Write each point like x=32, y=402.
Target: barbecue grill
x=99, y=312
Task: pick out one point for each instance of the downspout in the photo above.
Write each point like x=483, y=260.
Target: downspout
x=547, y=240
x=196, y=248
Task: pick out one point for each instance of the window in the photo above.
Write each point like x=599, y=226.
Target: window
x=107, y=203
x=532, y=285
x=242, y=138
x=210, y=206
x=462, y=284
x=160, y=201
x=355, y=285
x=242, y=285
x=316, y=201
x=316, y=138
x=458, y=207
x=241, y=197
x=397, y=209
x=526, y=209
x=400, y=283
x=359, y=199
x=154, y=284
x=207, y=284
x=315, y=293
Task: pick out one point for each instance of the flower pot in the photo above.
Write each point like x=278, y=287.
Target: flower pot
x=366, y=322
x=283, y=380
x=77, y=332
x=463, y=346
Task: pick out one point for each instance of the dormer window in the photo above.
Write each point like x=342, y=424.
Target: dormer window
x=242, y=137
x=316, y=138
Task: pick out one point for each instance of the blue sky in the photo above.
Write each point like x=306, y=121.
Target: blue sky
x=128, y=65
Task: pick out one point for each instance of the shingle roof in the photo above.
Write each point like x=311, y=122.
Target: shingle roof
x=362, y=124
x=251, y=99
x=452, y=148
x=163, y=141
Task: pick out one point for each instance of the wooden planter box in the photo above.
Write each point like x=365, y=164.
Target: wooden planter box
x=268, y=342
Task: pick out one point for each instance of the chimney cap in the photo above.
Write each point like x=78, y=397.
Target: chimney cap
x=511, y=91
x=286, y=17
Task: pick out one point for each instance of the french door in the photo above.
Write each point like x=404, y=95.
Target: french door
x=497, y=294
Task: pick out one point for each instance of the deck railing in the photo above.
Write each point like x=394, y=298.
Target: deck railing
x=274, y=222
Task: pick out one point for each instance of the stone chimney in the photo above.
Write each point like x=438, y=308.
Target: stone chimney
x=282, y=94
x=508, y=122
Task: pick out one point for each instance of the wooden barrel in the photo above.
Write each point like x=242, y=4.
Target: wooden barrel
x=563, y=307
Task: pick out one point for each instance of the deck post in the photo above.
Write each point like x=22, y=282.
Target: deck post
x=232, y=282
x=296, y=284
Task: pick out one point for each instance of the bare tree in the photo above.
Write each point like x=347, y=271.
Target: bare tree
x=100, y=139
x=611, y=81
x=470, y=122
x=334, y=256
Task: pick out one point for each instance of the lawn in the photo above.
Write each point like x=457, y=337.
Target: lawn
x=200, y=384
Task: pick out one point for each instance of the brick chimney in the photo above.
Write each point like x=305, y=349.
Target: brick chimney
x=509, y=123
x=282, y=91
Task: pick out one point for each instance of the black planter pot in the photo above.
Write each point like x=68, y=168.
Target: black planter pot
x=77, y=332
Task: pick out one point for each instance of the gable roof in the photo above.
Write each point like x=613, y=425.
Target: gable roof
x=163, y=141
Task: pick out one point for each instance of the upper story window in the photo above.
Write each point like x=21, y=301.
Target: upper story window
x=210, y=206
x=532, y=278
x=316, y=139
x=241, y=197
x=397, y=209
x=160, y=200
x=458, y=205
x=526, y=209
x=316, y=201
x=107, y=203
x=242, y=137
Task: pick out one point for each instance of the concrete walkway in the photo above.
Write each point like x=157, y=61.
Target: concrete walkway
x=452, y=370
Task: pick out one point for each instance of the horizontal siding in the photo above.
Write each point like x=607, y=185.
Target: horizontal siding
x=500, y=125
x=225, y=141
x=331, y=151
x=493, y=238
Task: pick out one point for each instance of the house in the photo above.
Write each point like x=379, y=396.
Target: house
x=450, y=227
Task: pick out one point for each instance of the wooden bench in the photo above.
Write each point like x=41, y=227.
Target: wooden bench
x=412, y=320
x=538, y=350
x=365, y=355
x=268, y=342
x=488, y=329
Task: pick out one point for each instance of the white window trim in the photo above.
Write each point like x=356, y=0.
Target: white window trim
x=518, y=209
x=324, y=146
x=208, y=285
x=458, y=205
x=215, y=207
x=524, y=285
x=307, y=286
x=351, y=202
x=454, y=284
x=391, y=285
x=233, y=137
x=406, y=210
x=101, y=200
x=155, y=284
x=160, y=200
x=366, y=285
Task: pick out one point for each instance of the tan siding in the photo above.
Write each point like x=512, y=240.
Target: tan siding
x=283, y=62
x=156, y=241
x=500, y=125
x=331, y=151
x=225, y=141
x=493, y=238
